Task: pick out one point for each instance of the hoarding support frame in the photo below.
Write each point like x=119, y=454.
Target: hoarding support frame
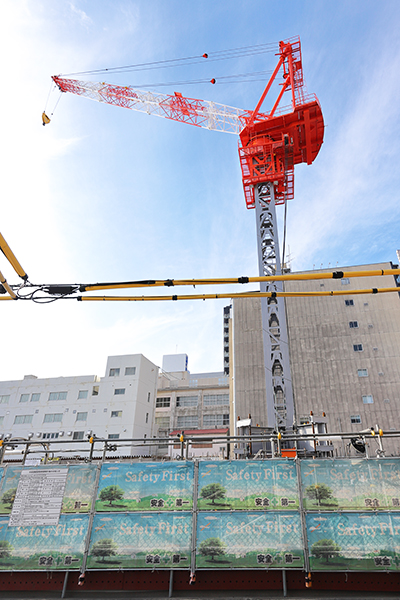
x=65, y=584
x=171, y=583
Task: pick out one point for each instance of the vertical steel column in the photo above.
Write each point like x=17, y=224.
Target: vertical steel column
x=280, y=406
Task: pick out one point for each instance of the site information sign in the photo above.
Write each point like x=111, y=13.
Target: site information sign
x=248, y=485
x=145, y=486
x=39, y=497
x=249, y=540
x=141, y=541
x=351, y=484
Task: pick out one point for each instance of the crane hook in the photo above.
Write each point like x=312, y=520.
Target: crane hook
x=45, y=119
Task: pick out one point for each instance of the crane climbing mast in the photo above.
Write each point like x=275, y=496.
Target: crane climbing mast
x=271, y=144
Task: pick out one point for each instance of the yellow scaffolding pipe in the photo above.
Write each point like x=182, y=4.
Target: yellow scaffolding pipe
x=238, y=295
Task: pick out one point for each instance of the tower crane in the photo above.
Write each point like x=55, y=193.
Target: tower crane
x=270, y=144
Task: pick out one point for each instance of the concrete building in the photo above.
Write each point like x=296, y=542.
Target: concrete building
x=344, y=353
x=191, y=401
x=119, y=405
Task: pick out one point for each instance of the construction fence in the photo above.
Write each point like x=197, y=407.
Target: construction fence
x=312, y=515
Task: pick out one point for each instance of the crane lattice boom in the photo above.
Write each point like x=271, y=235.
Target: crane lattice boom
x=201, y=113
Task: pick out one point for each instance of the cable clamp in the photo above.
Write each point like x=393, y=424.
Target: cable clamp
x=337, y=275
x=374, y=290
x=169, y=282
x=174, y=297
x=243, y=280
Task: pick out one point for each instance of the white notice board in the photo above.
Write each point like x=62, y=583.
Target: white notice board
x=39, y=497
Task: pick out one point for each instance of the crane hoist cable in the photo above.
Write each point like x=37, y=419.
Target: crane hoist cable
x=187, y=61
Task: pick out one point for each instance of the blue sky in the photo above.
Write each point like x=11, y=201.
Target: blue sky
x=106, y=194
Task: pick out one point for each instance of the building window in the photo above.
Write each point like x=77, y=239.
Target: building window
x=95, y=390
x=148, y=397
x=345, y=281
x=35, y=397
x=162, y=422
x=81, y=416
x=215, y=399
x=357, y=347
x=147, y=417
x=163, y=402
x=50, y=436
x=83, y=394
x=53, y=418
x=114, y=373
x=130, y=370
x=58, y=396
x=4, y=399
x=24, y=398
x=1, y=420
x=355, y=419
x=78, y=435
x=119, y=391
x=193, y=382
x=368, y=399
x=349, y=302
x=362, y=372
x=190, y=422
x=113, y=436
x=184, y=401
x=215, y=420
x=353, y=324
x=116, y=413
x=23, y=419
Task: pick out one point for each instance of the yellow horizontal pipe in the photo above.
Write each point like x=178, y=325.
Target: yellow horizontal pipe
x=6, y=298
x=9, y=254
x=233, y=280
x=238, y=295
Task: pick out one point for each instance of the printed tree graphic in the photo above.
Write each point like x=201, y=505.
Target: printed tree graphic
x=212, y=547
x=213, y=492
x=9, y=496
x=325, y=549
x=111, y=493
x=103, y=548
x=319, y=492
x=5, y=549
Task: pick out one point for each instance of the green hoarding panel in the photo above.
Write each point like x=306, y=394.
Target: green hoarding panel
x=43, y=547
x=248, y=485
x=354, y=541
x=249, y=540
x=79, y=489
x=130, y=541
x=145, y=486
x=351, y=484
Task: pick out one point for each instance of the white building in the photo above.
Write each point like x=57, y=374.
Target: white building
x=119, y=405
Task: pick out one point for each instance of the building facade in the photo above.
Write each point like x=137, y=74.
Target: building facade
x=344, y=353
x=191, y=401
x=119, y=405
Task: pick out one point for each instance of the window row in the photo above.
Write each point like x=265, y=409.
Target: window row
x=185, y=401
x=116, y=371
x=55, y=396
x=57, y=417
x=192, y=421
